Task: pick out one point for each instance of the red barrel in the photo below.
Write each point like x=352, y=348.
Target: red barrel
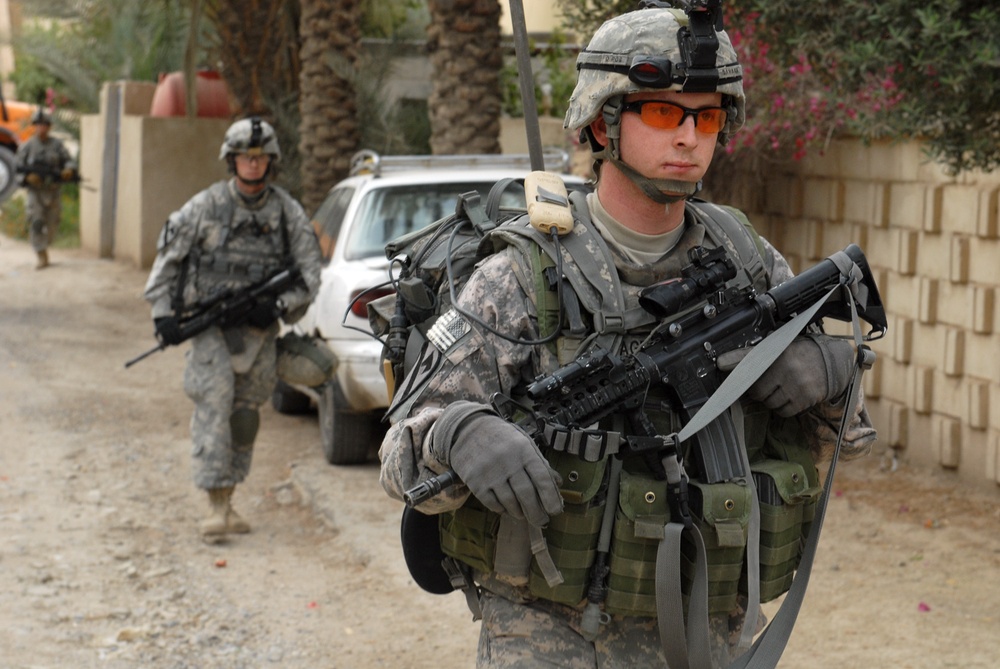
x=213, y=96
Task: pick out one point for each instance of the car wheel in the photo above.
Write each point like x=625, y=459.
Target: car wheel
x=288, y=400
x=346, y=436
x=8, y=173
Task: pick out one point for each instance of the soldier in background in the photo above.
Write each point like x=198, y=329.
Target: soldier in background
x=45, y=165
x=232, y=235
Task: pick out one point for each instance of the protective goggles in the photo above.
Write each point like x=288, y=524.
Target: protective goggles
x=668, y=115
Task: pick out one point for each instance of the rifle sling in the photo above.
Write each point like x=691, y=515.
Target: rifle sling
x=691, y=650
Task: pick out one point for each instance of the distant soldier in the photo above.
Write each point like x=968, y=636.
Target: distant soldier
x=229, y=237
x=45, y=165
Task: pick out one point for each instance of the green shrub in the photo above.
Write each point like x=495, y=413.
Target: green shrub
x=888, y=69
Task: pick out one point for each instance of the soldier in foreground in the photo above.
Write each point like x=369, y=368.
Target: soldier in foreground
x=227, y=239
x=45, y=165
x=652, y=114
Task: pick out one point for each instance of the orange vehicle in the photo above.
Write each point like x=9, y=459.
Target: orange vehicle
x=15, y=129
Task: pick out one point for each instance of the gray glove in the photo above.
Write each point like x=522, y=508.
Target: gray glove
x=813, y=369
x=498, y=462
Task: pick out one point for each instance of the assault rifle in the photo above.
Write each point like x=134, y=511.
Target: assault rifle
x=228, y=309
x=49, y=174
x=701, y=319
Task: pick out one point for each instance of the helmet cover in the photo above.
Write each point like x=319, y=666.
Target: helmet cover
x=252, y=136
x=40, y=117
x=646, y=34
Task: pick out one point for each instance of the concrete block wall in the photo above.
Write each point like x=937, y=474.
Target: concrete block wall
x=139, y=169
x=933, y=242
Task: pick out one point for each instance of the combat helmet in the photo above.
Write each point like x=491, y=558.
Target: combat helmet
x=655, y=48
x=40, y=117
x=253, y=136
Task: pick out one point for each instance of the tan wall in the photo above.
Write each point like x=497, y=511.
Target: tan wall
x=934, y=245
x=540, y=16
x=91, y=148
x=160, y=163
x=164, y=161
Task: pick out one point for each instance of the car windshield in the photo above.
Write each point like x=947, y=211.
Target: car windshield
x=387, y=213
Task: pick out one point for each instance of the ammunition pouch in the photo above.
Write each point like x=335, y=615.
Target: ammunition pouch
x=304, y=361
x=721, y=513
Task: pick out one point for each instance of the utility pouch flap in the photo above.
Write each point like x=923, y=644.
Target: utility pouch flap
x=580, y=479
x=780, y=482
x=723, y=509
x=643, y=500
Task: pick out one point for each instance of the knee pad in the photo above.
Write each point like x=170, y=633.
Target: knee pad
x=243, y=424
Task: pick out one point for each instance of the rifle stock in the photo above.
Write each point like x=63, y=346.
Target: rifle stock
x=680, y=356
x=229, y=309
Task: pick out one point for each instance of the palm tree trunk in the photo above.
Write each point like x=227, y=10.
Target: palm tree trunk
x=463, y=40
x=328, y=130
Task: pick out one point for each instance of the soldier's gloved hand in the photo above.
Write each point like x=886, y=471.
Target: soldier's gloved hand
x=811, y=370
x=498, y=462
x=68, y=174
x=33, y=179
x=264, y=312
x=168, y=330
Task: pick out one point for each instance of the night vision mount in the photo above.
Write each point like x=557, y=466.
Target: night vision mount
x=699, y=46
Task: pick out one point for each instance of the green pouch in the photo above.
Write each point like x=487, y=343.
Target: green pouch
x=572, y=536
x=722, y=514
x=642, y=512
x=787, y=498
x=469, y=534
x=303, y=360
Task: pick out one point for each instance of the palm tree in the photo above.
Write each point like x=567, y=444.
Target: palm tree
x=463, y=40
x=256, y=43
x=328, y=130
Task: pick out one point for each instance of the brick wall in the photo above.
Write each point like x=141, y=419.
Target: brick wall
x=933, y=242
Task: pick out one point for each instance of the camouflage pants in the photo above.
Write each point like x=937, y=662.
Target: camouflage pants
x=544, y=634
x=43, y=210
x=219, y=382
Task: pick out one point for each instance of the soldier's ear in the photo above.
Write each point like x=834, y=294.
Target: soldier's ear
x=599, y=131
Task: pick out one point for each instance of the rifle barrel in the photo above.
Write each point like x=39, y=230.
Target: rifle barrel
x=143, y=356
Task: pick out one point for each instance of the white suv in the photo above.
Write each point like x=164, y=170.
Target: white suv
x=384, y=198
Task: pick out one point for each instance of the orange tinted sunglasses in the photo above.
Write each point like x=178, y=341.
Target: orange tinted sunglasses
x=667, y=115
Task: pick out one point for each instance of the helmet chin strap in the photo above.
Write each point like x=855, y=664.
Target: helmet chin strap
x=663, y=191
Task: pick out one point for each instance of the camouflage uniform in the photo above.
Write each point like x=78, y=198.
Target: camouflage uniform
x=479, y=364
x=44, y=207
x=214, y=243
x=635, y=53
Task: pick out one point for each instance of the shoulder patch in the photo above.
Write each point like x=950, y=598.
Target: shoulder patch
x=448, y=329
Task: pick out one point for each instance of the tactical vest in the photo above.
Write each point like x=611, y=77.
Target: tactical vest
x=786, y=478
x=237, y=246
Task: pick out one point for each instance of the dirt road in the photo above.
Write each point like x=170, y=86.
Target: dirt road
x=101, y=566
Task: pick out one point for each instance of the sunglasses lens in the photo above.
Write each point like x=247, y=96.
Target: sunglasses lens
x=661, y=115
x=667, y=116
x=710, y=120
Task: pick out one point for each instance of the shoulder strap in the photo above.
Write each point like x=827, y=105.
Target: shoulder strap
x=591, y=275
x=730, y=228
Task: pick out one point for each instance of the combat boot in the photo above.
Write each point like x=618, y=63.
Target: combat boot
x=214, y=527
x=234, y=523
x=43, y=259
